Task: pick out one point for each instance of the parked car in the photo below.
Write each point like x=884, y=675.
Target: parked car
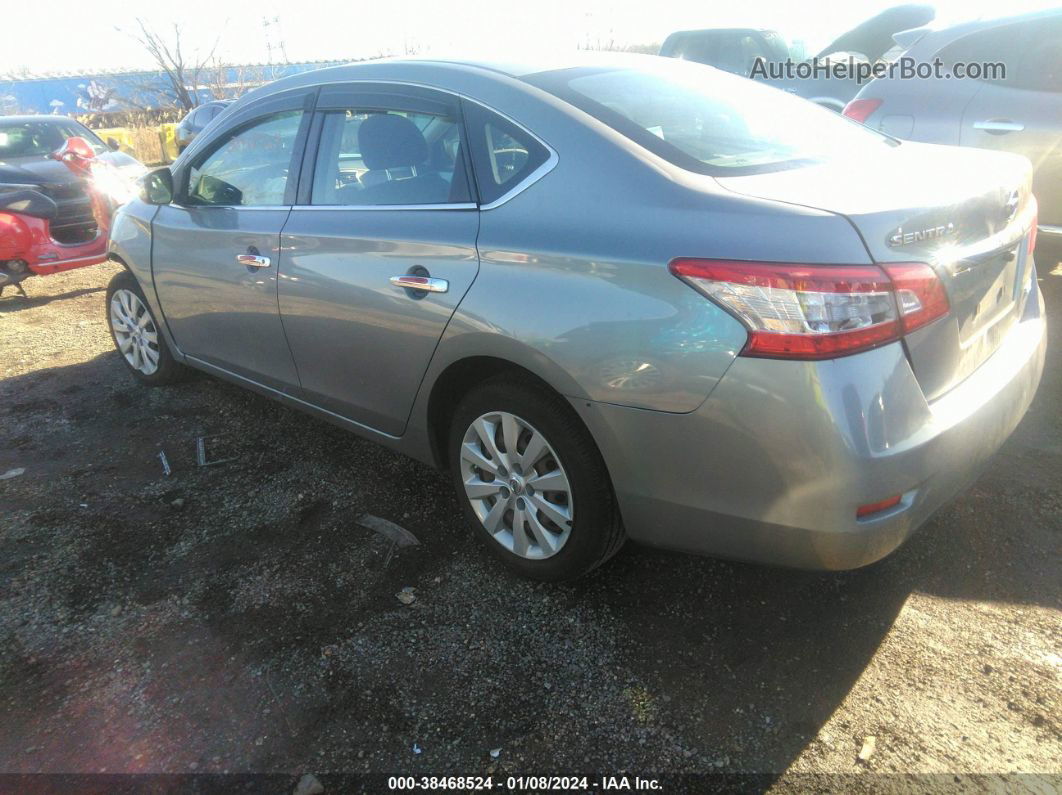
x=27, y=144
x=1020, y=111
x=59, y=184
x=197, y=119
x=622, y=296
x=736, y=50
x=41, y=231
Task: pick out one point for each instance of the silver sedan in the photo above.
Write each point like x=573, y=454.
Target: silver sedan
x=614, y=297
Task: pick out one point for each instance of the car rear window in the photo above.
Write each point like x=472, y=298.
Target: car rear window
x=708, y=121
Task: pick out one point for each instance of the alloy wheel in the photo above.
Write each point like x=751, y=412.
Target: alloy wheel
x=516, y=485
x=135, y=332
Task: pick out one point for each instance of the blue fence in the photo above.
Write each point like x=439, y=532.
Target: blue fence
x=105, y=93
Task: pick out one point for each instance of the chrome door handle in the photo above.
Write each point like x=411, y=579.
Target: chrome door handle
x=426, y=283
x=999, y=126
x=252, y=260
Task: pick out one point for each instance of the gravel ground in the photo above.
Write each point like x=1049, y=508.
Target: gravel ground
x=237, y=618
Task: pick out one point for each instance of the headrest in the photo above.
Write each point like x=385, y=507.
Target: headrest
x=389, y=141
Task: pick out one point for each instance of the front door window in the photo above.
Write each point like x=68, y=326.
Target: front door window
x=249, y=168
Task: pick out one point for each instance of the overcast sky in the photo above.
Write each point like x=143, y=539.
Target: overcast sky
x=42, y=39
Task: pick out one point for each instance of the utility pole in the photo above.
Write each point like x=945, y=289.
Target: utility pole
x=274, y=39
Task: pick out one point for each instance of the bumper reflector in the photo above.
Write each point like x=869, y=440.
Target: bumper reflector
x=864, y=511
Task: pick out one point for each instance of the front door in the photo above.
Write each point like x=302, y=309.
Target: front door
x=217, y=247
x=389, y=203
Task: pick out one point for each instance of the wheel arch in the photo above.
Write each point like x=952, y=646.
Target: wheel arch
x=454, y=382
x=144, y=278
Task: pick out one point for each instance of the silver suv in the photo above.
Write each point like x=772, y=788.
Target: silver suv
x=1017, y=110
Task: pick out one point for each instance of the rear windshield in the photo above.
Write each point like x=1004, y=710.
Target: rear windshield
x=708, y=121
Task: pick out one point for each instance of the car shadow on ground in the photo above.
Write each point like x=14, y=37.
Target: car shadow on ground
x=11, y=301
x=239, y=618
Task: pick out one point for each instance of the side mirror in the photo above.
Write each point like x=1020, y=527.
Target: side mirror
x=113, y=145
x=78, y=147
x=77, y=154
x=156, y=187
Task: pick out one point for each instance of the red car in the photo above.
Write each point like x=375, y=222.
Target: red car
x=56, y=197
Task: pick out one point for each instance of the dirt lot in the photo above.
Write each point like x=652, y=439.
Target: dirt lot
x=237, y=618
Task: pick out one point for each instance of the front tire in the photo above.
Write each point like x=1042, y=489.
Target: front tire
x=136, y=334
x=531, y=481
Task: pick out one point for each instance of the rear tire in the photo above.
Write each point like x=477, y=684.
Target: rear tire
x=137, y=336
x=531, y=481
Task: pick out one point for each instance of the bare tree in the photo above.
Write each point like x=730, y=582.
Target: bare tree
x=182, y=74
x=611, y=45
x=231, y=81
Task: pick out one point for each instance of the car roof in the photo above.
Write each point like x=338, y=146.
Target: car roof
x=939, y=36
x=511, y=67
x=445, y=73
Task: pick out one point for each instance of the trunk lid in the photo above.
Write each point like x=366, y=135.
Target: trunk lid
x=965, y=212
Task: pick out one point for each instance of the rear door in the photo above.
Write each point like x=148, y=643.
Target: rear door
x=386, y=196
x=1023, y=112
x=217, y=247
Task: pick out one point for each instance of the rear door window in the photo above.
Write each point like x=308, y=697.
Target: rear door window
x=1041, y=65
x=379, y=157
x=503, y=154
x=1031, y=52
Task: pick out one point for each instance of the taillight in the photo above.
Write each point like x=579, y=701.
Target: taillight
x=919, y=294
x=818, y=311
x=1032, y=236
x=860, y=109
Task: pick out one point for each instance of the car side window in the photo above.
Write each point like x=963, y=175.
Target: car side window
x=1031, y=51
x=993, y=44
x=503, y=154
x=1041, y=66
x=249, y=167
x=373, y=157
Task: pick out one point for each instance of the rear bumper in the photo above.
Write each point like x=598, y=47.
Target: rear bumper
x=772, y=467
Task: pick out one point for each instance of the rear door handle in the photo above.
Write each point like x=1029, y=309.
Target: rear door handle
x=999, y=126
x=252, y=260
x=426, y=283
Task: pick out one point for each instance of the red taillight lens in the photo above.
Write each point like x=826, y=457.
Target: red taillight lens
x=919, y=294
x=1032, y=235
x=860, y=109
x=817, y=311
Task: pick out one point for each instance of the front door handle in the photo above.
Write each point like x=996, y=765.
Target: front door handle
x=252, y=260
x=999, y=126
x=426, y=283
